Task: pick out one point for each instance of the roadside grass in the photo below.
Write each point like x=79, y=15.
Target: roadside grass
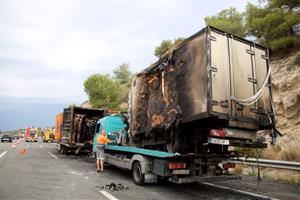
x=287, y=176
x=282, y=175
x=287, y=148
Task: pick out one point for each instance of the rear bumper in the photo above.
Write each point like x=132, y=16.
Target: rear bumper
x=6, y=140
x=203, y=178
x=236, y=143
x=239, y=143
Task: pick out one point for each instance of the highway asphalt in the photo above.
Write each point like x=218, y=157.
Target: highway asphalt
x=44, y=173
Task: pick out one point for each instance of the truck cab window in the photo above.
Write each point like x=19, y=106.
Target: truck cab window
x=97, y=128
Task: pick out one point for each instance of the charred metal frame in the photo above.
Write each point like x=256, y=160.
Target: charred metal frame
x=70, y=138
x=226, y=119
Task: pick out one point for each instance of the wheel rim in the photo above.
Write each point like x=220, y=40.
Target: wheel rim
x=138, y=172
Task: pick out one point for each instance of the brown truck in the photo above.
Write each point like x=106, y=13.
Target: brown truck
x=77, y=129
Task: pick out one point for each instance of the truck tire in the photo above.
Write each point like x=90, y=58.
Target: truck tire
x=95, y=159
x=65, y=150
x=60, y=148
x=137, y=174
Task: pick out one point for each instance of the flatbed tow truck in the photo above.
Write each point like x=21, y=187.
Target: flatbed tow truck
x=150, y=166
x=189, y=110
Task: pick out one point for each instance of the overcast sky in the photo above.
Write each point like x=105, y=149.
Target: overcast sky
x=48, y=48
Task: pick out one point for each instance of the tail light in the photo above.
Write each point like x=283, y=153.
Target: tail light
x=217, y=133
x=177, y=165
x=228, y=165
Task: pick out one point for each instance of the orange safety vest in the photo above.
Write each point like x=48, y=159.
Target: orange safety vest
x=102, y=139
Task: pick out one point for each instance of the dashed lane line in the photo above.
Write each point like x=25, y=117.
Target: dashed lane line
x=109, y=196
x=239, y=191
x=51, y=154
x=27, y=146
x=2, y=154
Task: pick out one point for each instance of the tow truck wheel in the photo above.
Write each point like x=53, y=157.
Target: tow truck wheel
x=138, y=176
x=95, y=159
x=65, y=150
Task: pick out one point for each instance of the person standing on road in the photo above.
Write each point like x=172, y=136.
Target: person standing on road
x=102, y=140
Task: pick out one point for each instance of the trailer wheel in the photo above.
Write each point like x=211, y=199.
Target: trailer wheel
x=95, y=159
x=65, y=150
x=60, y=148
x=137, y=174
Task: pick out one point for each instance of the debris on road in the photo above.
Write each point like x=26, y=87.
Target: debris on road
x=115, y=187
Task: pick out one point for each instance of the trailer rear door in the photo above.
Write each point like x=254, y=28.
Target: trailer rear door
x=219, y=72
x=67, y=125
x=237, y=69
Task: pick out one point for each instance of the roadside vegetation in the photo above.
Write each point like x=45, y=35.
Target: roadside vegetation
x=287, y=176
x=273, y=23
x=109, y=92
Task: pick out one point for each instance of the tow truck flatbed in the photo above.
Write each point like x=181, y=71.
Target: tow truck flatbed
x=141, y=151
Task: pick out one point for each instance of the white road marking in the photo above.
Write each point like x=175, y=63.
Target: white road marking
x=239, y=191
x=76, y=173
x=27, y=146
x=2, y=154
x=41, y=146
x=156, y=194
x=109, y=196
x=54, y=156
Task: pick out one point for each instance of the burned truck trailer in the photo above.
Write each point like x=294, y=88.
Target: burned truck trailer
x=209, y=92
x=78, y=129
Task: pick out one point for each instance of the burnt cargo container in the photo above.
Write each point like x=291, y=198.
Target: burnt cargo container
x=78, y=128
x=212, y=80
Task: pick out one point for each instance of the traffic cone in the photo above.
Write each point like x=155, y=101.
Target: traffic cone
x=22, y=151
x=13, y=146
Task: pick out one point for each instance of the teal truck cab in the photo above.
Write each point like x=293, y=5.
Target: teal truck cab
x=149, y=166
x=112, y=125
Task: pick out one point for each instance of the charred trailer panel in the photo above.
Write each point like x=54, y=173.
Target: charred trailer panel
x=212, y=80
x=78, y=128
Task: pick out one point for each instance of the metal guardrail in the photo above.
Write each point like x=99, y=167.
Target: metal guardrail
x=267, y=163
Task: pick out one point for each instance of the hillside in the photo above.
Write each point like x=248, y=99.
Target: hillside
x=286, y=96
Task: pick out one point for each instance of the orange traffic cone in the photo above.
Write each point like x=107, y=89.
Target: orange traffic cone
x=13, y=146
x=22, y=151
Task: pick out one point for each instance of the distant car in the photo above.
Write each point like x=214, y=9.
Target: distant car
x=15, y=137
x=6, y=138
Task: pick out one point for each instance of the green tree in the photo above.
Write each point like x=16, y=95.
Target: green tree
x=276, y=24
x=165, y=45
x=71, y=105
x=103, y=91
x=229, y=20
x=123, y=75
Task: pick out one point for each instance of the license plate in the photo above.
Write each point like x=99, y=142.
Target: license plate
x=181, y=171
x=218, y=141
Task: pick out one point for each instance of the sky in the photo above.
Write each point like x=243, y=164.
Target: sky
x=49, y=47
